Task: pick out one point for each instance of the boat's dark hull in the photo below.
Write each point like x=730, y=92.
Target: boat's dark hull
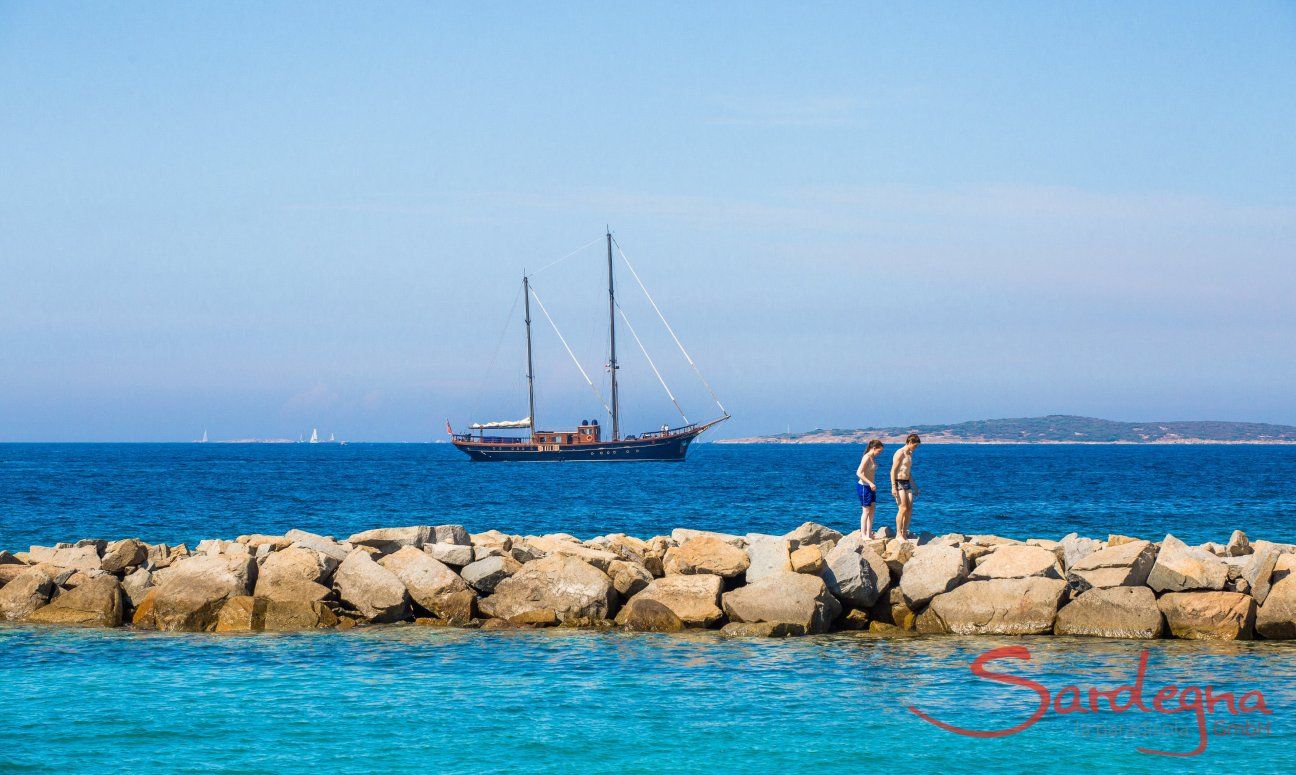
x=669, y=449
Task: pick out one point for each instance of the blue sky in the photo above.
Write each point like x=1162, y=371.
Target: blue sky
x=258, y=218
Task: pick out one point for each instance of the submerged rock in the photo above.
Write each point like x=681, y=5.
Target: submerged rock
x=1112, y=612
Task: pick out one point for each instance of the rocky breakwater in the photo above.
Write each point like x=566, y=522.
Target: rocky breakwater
x=811, y=580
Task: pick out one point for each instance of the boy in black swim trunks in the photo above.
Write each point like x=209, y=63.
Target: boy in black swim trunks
x=866, y=486
x=903, y=488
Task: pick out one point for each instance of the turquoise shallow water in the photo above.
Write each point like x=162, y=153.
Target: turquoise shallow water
x=409, y=698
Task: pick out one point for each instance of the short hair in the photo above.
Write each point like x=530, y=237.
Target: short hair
x=874, y=444
x=913, y=439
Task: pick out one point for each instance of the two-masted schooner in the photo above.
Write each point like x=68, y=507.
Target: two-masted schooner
x=586, y=442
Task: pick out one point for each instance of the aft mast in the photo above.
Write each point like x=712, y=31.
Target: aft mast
x=526, y=292
x=612, y=360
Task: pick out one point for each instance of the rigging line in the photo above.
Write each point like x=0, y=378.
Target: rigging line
x=569, y=255
x=644, y=350
x=680, y=344
x=490, y=368
x=575, y=360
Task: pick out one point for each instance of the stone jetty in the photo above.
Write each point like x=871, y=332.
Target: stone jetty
x=811, y=580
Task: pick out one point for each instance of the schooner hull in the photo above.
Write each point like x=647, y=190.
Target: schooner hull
x=667, y=450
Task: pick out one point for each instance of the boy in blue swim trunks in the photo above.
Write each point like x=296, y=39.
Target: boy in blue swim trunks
x=866, y=486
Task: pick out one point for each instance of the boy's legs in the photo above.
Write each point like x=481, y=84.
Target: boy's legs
x=866, y=521
x=903, y=512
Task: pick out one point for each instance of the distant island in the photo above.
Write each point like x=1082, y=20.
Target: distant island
x=1053, y=429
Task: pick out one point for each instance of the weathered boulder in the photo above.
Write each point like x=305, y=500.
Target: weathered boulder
x=491, y=543
x=1074, y=548
x=1238, y=545
x=241, y=613
x=784, y=597
x=895, y=553
x=628, y=578
x=135, y=585
x=682, y=534
x=98, y=603
x=856, y=574
x=256, y=540
x=85, y=558
x=1276, y=618
x=389, y=539
x=457, y=555
x=761, y=630
x=648, y=615
x=1181, y=568
x=7, y=558
x=292, y=615
x=322, y=544
x=812, y=534
x=655, y=554
x=694, y=599
x=564, y=545
x=451, y=534
x=706, y=554
x=118, y=556
x=429, y=581
x=191, y=591
x=767, y=555
x=1017, y=561
x=1209, y=615
x=807, y=559
x=292, y=568
x=28, y=591
x=1122, y=565
x=933, y=570
x=569, y=586
x=1258, y=570
x=893, y=610
x=1026, y=606
x=371, y=590
x=142, y=618
x=484, y=574
x=1111, y=612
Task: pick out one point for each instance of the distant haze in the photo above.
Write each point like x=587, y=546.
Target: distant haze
x=255, y=219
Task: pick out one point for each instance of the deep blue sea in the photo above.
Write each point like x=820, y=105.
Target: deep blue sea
x=407, y=698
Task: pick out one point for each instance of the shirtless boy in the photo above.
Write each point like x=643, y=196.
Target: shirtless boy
x=867, y=486
x=903, y=488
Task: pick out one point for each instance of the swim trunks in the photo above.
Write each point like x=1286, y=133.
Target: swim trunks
x=904, y=484
x=866, y=494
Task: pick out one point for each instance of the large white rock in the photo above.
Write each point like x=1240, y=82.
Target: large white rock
x=855, y=573
x=484, y=574
x=784, y=598
x=371, y=590
x=389, y=539
x=322, y=544
x=768, y=556
x=1017, y=561
x=1122, y=565
x=1181, y=568
x=457, y=555
x=570, y=587
x=932, y=570
x=1074, y=548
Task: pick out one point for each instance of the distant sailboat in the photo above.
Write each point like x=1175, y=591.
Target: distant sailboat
x=314, y=439
x=204, y=438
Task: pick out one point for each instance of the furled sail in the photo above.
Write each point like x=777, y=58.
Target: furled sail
x=486, y=426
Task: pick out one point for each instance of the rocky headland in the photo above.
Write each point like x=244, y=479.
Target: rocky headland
x=811, y=580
